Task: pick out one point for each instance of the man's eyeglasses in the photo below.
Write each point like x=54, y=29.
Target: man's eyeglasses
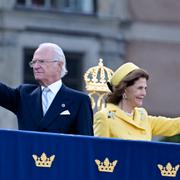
x=40, y=62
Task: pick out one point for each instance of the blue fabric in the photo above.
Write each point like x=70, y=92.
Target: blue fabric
x=75, y=157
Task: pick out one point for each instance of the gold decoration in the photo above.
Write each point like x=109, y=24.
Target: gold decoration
x=96, y=79
x=168, y=171
x=43, y=161
x=106, y=166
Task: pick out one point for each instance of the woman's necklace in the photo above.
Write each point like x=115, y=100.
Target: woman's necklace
x=127, y=113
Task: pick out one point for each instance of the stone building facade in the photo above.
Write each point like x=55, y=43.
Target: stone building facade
x=142, y=31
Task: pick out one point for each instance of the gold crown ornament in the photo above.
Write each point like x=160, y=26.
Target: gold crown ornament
x=96, y=79
x=43, y=160
x=168, y=170
x=106, y=166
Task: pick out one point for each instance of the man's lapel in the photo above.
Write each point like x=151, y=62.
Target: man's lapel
x=36, y=113
x=58, y=105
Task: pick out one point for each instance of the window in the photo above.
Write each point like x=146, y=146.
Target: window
x=74, y=64
x=28, y=72
x=21, y=2
x=85, y=6
x=38, y=2
x=73, y=79
x=69, y=6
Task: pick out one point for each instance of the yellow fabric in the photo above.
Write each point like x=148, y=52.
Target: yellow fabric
x=121, y=72
x=113, y=122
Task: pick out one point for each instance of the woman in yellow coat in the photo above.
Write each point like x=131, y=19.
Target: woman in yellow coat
x=123, y=116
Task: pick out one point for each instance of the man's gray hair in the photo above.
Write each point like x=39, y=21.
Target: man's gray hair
x=58, y=55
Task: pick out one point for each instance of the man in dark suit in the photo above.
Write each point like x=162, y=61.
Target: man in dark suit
x=49, y=106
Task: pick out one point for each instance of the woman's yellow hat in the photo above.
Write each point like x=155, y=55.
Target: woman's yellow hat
x=121, y=72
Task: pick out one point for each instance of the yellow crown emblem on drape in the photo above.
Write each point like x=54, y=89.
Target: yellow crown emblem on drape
x=43, y=160
x=96, y=78
x=106, y=166
x=168, y=170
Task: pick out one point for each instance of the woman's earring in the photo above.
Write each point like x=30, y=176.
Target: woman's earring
x=124, y=96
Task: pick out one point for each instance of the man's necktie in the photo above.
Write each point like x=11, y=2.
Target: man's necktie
x=45, y=99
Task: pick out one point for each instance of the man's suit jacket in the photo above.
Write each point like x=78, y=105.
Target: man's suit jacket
x=70, y=111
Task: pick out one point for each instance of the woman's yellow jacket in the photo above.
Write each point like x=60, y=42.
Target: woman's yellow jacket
x=115, y=123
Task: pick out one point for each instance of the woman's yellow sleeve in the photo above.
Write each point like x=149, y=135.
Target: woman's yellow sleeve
x=101, y=127
x=164, y=126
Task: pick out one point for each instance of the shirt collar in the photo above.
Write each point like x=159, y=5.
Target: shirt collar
x=54, y=87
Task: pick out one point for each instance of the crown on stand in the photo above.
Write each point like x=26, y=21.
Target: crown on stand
x=168, y=171
x=106, y=166
x=96, y=78
x=43, y=161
